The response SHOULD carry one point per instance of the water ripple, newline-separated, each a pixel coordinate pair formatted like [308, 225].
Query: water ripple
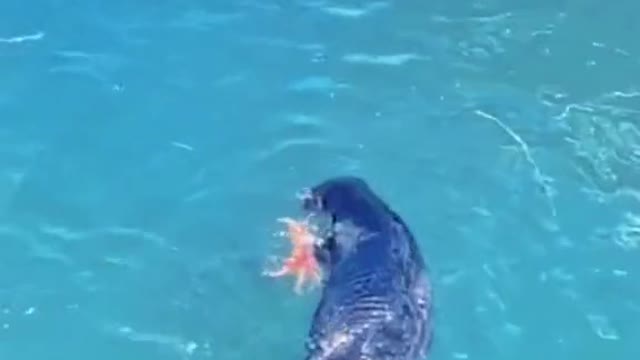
[392, 60]
[174, 342]
[317, 83]
[22, 38]
[628, 232]
[204, 20]
[349, 12]
[116, 231]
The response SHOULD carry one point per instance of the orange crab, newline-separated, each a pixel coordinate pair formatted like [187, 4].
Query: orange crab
[301, 262]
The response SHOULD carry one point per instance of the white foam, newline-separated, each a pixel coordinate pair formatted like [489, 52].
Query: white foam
[183, 146]
[389, 60]
[354, 12]
[22, 38]
[602, 328]
[316, 83]
[628, 233]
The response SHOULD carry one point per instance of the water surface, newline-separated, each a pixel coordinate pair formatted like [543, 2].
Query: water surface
[147, 148]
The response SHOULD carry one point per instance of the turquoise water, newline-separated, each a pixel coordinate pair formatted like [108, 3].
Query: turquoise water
[147, 148]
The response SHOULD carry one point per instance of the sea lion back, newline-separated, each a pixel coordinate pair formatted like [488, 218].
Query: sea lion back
[376, 301]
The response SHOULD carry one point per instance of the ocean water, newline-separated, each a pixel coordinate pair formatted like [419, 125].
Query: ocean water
[148, 147]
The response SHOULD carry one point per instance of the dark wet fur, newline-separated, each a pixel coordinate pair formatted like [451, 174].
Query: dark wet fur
[376, 290]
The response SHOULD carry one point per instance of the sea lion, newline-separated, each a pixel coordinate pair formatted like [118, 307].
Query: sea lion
[376, 298]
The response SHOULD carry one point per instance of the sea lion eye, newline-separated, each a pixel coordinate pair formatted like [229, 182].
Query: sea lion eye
[312, 202]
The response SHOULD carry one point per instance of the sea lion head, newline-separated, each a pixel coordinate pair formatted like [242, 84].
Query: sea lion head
[344, 208]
